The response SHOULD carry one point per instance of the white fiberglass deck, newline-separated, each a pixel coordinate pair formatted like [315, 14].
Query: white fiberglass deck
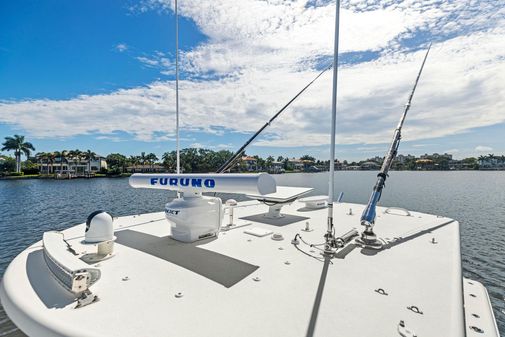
[243, 285]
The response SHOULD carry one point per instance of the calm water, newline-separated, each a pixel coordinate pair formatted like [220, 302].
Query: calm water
[477, 199]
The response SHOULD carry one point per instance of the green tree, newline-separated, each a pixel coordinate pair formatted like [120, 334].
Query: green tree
[76, 156]
[307, 157]
[143, 158]
[196, 160]
[89, 156]
[151, 159]
[51, 156]
[63, 158]
[286, 165]
[19, 146]
[29, 167]
[169, 160]
[41, 158]
[117, 162]
[471, 162]
[269, 162]
[8, 164]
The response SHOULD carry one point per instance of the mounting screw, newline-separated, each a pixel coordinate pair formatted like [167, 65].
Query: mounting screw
[126, 278]
[179, 295]
[257, 279]
[287, 263]
[280, 248]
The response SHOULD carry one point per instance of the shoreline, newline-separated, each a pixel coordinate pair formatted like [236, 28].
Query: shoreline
[126, 175]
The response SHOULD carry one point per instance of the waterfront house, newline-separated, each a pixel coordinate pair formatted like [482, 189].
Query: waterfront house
[72, 166]
[249, 163]
[276, 167]
[436, 156]
[404, 158]
[492, 162]
[369, 165]
[302, 165]
[424, 164]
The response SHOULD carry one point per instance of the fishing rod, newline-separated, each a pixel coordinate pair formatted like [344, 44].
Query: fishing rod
[368, 237]
[237, 155]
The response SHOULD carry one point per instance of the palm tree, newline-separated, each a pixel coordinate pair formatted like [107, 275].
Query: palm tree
[51, 156]
[143, 158]
[76, 157]
[41, 157]
[19, 146]
[134, 161]
[89, 156]
[152, 158]
[63, 156]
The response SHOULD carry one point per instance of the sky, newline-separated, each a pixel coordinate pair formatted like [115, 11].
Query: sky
[100, 75]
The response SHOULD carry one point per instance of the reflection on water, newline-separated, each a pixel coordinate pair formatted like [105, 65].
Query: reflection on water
[475, 199]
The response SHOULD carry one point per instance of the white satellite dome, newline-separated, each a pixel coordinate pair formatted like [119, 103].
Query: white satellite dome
[99, 227]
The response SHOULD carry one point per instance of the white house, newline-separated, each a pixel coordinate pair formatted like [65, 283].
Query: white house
[73, 166]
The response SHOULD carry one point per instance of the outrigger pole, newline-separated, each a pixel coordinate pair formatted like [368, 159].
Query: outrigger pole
[236, 156]
[368, 237]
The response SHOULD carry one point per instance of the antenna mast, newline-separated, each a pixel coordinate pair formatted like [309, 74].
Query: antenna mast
[368, 237]
[177, 87]
[330, 237]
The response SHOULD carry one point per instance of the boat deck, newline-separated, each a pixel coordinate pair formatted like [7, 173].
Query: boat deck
[244, 285]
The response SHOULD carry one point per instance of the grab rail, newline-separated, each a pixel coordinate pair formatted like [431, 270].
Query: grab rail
[389, 209]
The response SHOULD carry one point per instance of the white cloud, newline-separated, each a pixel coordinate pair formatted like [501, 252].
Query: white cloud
[121, 47]
[452, 151]
[260, 53]
[158, 60]
[114, 139]
[197, 145]
[482, 148]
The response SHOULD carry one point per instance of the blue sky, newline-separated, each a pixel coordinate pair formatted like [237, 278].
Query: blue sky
[100, 75]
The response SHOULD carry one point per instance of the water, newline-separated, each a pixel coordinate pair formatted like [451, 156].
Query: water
[476, 199]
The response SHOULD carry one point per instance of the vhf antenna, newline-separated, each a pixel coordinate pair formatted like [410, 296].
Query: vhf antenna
[330, 235]
[368, 237]
[177, 88]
